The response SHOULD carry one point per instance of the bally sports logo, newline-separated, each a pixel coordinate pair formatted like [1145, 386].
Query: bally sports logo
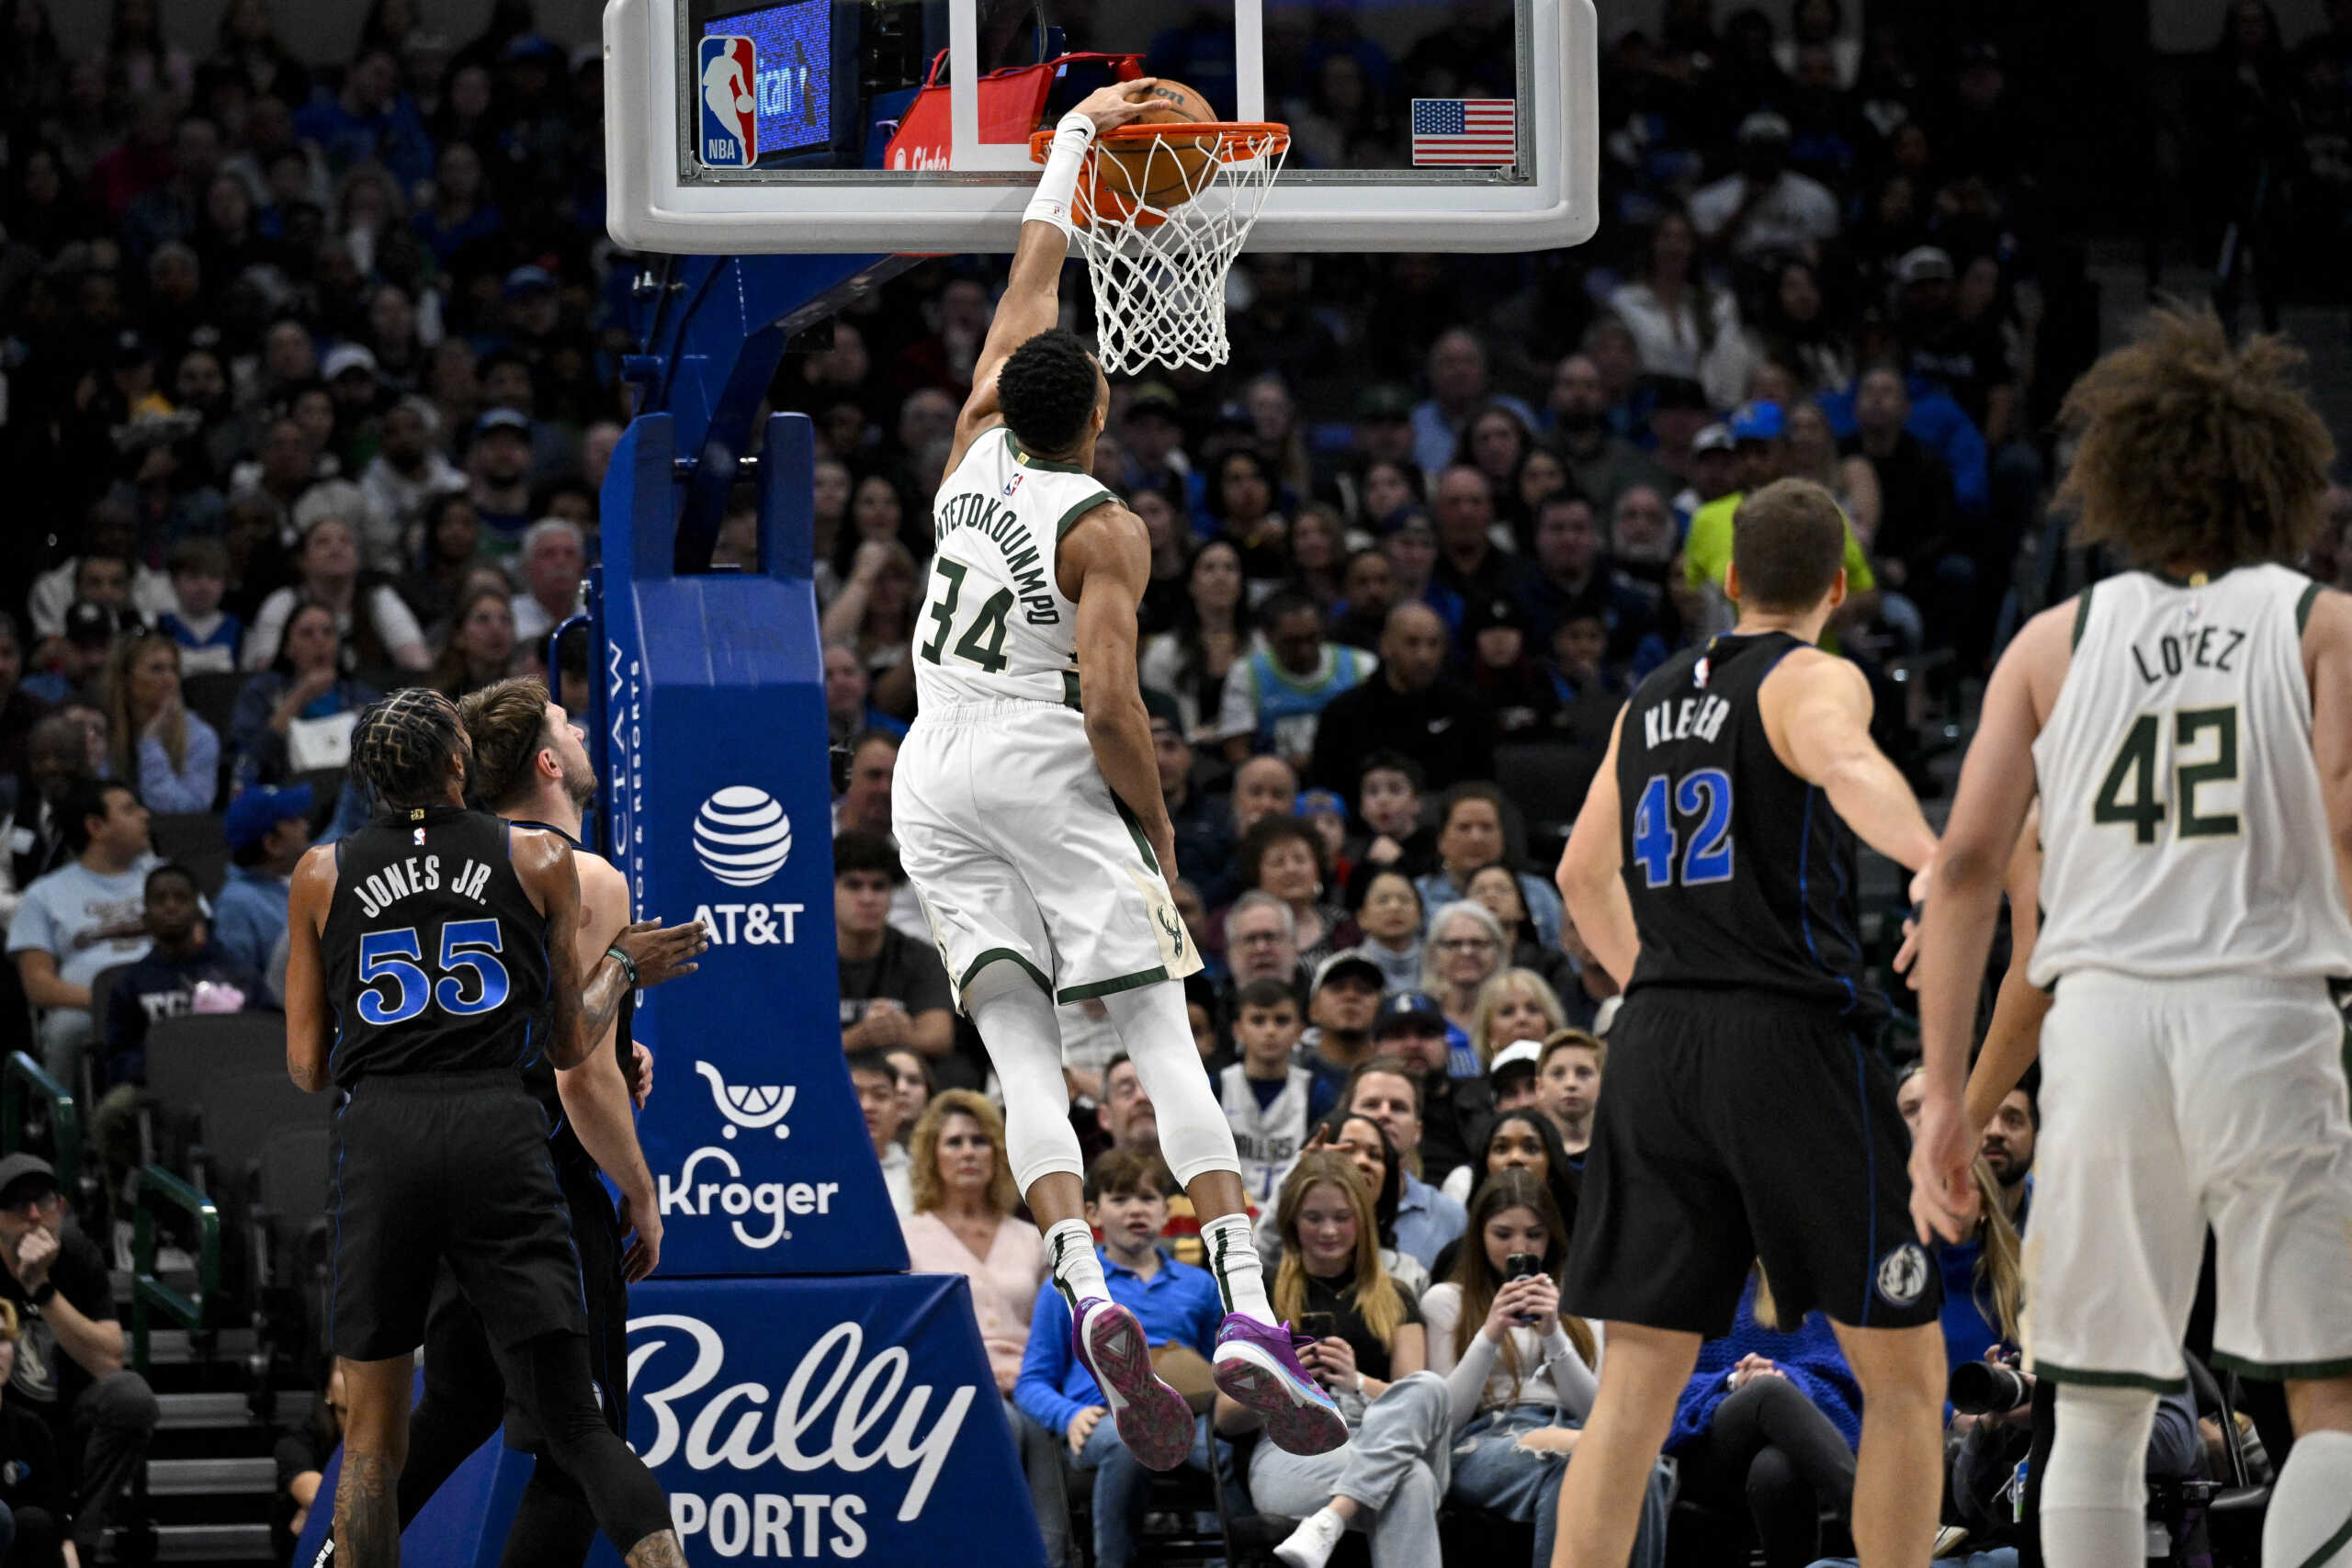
[741, 836]
[840, 1415]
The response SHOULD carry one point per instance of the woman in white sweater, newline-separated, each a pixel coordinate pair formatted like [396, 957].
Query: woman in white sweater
[1683, 326]
[1520, 1378]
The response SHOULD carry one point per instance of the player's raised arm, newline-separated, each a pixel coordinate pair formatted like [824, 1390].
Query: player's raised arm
[309, 1028]
[1963, 899]
[1816, 707]
[1590, 875]
[1032, 301]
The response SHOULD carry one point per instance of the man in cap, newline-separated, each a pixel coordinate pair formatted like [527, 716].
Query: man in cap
[1761, 456]
[1454, 1111]
[1340, 1012]
[268, 830]
[498, 471]
[1715, 470]
[1968, 359]
[1766, 209]
[1152, 433]
[80, 655]
[69, 1367]
[349, 371]
[1384, 424]
[1511, 1076]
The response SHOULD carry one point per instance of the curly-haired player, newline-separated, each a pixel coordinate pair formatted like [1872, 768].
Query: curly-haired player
[2187, 727]
[1030, 820]
[431, 958]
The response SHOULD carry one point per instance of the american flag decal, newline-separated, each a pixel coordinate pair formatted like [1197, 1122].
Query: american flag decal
[1474, 133]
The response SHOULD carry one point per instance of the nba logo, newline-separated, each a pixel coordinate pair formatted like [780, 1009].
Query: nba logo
[730, 129]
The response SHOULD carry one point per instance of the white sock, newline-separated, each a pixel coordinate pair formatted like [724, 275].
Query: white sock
[2094, 1498]
[1232, 1255]
[1311, 1544]
[2310, 1525]
[1077, 1272]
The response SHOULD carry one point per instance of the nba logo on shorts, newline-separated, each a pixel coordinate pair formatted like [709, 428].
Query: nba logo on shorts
[728, 68]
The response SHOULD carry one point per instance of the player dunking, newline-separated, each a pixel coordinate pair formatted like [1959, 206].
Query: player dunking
[430, 955]
[2188, 728]
[532, 770]
[1030, 820]
[1712, 872]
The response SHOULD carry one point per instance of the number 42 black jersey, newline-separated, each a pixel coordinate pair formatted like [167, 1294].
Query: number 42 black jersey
[1740, 875]
[436, 958]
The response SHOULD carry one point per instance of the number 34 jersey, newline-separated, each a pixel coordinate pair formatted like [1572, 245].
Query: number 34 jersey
[994, 623]
[436, 958]
[1740, 875]
[2182, 826]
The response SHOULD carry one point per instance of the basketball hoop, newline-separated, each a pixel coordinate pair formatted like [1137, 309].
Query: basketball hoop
[1162, 211]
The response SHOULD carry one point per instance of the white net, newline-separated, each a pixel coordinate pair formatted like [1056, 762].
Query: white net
[1159, 267]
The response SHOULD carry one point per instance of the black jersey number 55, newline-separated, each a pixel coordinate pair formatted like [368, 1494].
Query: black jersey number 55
[390, 968]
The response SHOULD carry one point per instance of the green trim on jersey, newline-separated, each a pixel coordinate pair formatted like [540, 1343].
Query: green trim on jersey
[2328, 1548]
[1070, 519]
[2055, 1373]
[2082, 616]
[2281, 1371]
[1140, 978]
[992, 956]
[1135, 831]
[2304, 607]
[1026, 461]
[1069, 692]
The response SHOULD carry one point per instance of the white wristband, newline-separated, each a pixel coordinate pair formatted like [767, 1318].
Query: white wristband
[1058, 186]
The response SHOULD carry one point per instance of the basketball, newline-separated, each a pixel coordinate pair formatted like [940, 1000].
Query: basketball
[1165, 171]
[742, 103]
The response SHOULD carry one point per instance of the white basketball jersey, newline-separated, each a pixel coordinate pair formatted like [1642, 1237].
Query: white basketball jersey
[994, 623]
[2182, 828]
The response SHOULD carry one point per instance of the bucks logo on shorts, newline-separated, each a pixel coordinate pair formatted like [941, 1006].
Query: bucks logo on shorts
[1902, 1274]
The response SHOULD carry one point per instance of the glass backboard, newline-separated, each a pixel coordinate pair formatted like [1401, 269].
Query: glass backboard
[903, 125]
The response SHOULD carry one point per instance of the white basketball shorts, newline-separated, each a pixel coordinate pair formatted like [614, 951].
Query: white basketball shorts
[1021, 854]
[2167, 1106]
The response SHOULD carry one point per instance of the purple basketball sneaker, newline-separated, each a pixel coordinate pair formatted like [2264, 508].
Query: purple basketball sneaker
[1154, 1422]
[1257, 1365]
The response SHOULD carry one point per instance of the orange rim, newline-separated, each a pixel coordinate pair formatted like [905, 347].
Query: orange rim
[1236, 139]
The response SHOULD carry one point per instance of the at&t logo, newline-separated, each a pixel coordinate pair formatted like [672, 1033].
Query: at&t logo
[741, 836]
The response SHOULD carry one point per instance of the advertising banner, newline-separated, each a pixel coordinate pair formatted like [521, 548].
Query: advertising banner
[718, 796]
[808, 1420]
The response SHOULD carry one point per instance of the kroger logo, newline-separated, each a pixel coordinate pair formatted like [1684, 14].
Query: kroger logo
[761, 1105]
[710, 1185]
[741, 836]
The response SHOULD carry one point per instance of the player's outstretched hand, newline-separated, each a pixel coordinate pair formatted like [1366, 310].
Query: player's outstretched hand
[1116, 105]
[662, 953]
[1943, 1193]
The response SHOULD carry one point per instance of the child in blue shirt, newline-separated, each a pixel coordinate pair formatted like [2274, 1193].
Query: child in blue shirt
[208, 636]
[1177, 1305]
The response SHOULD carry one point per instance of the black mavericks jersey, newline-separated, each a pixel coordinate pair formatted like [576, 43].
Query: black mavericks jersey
[538, 1074]
[436, 960]
[1741, 877]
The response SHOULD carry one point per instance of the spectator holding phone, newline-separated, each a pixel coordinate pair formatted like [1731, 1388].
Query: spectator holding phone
[1517, 1376]
[1369, 1351]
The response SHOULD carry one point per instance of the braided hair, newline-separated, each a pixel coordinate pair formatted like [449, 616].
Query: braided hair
[401, 749]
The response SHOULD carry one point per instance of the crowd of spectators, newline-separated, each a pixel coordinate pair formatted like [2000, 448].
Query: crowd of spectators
[310, 373]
